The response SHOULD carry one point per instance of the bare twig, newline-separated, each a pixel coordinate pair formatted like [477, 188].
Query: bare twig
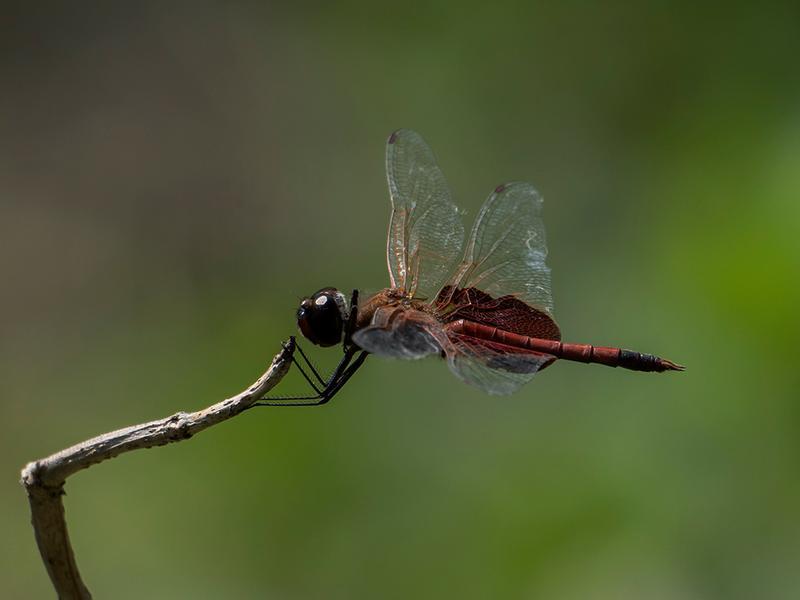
[44, 479]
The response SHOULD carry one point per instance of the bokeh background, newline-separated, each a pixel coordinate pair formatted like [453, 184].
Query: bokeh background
[175, 176]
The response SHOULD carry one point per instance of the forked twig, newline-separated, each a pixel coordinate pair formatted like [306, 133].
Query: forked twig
[44, 479]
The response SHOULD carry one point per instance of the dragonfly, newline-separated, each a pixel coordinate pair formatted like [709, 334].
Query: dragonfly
[482, 303]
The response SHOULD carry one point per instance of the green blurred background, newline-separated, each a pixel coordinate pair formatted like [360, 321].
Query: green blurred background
[175, 176]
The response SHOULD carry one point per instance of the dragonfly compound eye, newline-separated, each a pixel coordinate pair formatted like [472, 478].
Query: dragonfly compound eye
[321, 319]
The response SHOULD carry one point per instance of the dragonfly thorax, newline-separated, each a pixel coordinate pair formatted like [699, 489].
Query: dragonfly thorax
[321, 317]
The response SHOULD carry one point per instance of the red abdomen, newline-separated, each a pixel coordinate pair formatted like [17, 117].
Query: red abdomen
[586, 353]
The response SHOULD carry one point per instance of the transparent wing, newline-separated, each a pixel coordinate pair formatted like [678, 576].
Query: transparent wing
[490, 367]
[506, 251]
[399, 333]
[426, 235]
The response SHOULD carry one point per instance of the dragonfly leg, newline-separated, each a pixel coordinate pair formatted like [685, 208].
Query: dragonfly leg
[347, 366]
[310, 365]
[347, 374]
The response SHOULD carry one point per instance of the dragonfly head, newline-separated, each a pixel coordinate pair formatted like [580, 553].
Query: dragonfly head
[321, 317]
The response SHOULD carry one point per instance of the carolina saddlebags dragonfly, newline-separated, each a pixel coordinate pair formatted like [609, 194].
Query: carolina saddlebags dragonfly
[484, 306]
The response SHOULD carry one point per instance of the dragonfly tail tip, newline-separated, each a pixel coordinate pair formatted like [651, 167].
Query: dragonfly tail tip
[668, 365]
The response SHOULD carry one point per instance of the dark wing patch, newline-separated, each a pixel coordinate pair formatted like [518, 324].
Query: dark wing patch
[507, 312]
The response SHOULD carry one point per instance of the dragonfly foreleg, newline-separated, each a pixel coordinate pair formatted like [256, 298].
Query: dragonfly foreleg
[338, 378]
[310, 365]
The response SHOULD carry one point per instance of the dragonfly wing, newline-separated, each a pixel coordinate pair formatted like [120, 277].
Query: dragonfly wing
[506, 312]
[426, 235]
[398, 333]
[492, 367]
[506, 251]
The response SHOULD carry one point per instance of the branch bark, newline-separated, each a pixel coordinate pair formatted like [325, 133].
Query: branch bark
[44, 479]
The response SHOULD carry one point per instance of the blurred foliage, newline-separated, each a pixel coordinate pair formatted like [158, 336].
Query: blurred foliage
[175, 176]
